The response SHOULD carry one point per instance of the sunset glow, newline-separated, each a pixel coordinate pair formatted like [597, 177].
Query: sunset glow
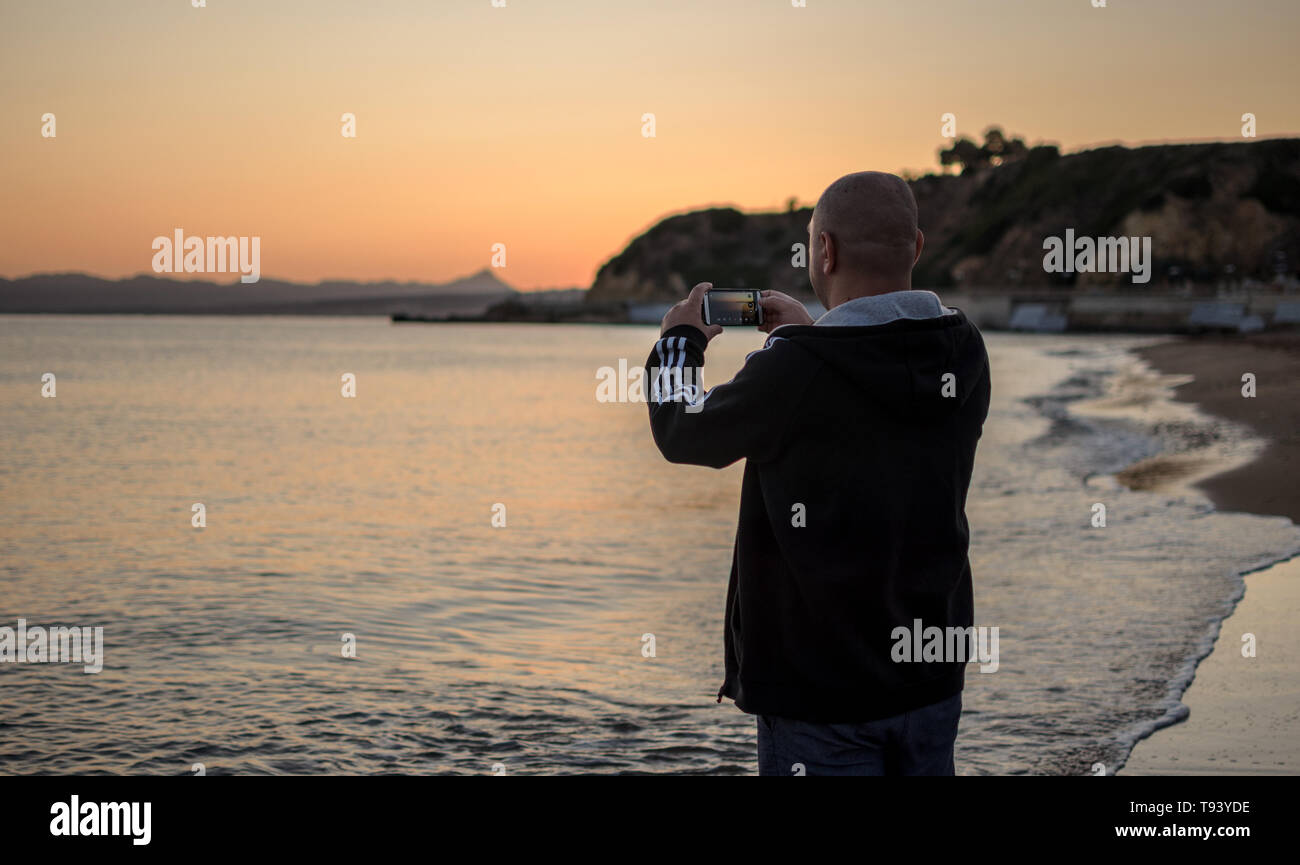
[523, 125]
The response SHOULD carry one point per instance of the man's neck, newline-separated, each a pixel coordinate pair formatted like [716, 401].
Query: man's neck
[867, 288]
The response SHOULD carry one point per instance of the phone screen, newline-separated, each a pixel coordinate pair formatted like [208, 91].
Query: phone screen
[732, 306]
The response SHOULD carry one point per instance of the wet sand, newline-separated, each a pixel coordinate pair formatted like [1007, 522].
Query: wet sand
[1244, 711]
[1271, 483]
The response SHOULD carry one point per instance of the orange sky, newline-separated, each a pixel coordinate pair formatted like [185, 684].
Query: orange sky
[522, 125]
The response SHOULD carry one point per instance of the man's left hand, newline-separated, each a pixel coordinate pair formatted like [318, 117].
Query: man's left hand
[691, 311]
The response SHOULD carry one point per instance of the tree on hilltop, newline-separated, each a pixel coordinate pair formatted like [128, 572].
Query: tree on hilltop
[996, 150]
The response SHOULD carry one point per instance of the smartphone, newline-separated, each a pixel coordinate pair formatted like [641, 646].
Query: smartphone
[731, 306]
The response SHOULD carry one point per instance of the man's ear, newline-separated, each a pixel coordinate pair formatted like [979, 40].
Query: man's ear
[920, 244]
[831, 253]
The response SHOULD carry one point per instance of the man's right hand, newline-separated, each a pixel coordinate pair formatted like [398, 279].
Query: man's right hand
[779, 309]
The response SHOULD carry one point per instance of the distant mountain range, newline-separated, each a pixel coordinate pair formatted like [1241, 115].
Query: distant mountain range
[80, 293]
[1218, 213]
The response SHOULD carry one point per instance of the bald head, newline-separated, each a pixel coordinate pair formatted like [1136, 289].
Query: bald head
[864, 228]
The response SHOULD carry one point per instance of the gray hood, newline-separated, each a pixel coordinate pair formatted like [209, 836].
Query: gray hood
[883, 308]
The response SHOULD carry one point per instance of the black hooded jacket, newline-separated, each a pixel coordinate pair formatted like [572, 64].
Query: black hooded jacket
[859, 442]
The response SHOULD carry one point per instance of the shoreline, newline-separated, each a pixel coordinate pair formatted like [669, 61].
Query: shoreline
[1243, 713]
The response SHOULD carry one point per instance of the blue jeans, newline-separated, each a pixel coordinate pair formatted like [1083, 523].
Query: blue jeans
[919, 742]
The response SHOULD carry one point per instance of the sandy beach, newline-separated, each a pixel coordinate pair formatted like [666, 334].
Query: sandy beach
[1244, 711]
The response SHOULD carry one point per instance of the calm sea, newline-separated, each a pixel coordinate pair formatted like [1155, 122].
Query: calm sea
[518, 647]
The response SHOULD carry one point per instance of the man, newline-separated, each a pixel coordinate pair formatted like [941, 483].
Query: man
[859, 434]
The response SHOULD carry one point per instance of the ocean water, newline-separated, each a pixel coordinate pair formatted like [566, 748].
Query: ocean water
[519, 649]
